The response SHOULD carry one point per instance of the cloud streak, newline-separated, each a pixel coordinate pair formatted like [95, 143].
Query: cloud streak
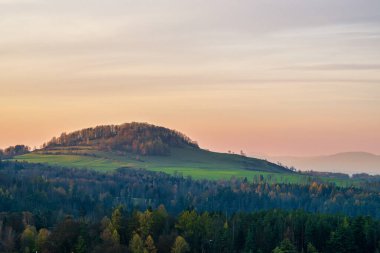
[339, 67]
[18, 2]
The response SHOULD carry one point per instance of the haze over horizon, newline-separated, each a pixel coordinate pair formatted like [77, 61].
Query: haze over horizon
[259, 76]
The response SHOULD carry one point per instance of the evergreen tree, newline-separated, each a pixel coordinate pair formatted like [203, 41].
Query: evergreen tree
[249, 242]
[80, 246]
[342, 240]
[286, 246]
[311, 248]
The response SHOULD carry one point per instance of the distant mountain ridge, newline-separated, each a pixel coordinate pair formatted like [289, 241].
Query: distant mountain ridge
[346, 162]
[138, 138]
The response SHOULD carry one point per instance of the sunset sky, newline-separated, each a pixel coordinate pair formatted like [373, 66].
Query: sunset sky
[270, 77]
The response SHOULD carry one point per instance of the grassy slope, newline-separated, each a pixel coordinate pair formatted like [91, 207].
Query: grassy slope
[199, 164]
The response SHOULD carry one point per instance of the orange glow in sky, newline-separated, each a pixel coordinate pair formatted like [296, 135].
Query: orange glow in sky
[233, 75]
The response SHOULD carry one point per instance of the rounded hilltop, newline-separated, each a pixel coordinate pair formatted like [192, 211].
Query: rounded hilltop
[137, 138]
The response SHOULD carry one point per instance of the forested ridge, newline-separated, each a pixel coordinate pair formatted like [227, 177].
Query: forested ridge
[138, 138]
[53, 209]
[86, 193]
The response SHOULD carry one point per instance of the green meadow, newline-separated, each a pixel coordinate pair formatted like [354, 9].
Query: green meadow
[195, 163]
[191, 169]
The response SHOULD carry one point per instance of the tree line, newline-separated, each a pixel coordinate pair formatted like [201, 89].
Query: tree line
[137, 138]
[14, 151]
[157, 231]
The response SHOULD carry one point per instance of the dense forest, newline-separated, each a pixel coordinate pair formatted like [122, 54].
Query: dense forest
[52, 209]
[89, 194]
[137, 138]
[156, 231]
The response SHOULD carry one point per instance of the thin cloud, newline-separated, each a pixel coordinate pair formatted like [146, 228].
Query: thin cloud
[337, 67]
[19, 1]
[303, 80]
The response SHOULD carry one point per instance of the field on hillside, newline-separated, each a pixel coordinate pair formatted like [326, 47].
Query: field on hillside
[199, 164]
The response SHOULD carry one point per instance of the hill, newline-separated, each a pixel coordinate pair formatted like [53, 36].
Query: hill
[348, 162]
[137, 138]
[141, 145]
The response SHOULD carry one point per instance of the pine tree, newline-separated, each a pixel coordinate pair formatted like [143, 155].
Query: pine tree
[80, 246]
[249, 242]
[286, 246]
[311, 248]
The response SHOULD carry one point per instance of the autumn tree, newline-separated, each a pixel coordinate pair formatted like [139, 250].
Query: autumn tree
[180, 245]
[28, 239]
[109, 233]
[149, 245]
[42, 238]
[187, 223]
[136, 245]
[160, 217]
[145, 223]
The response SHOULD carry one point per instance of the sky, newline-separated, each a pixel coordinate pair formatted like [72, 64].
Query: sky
[269, 77]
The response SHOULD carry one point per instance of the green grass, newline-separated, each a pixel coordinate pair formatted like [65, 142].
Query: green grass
[186, 157]
[199, 164]
[73, 161]
[190, 169]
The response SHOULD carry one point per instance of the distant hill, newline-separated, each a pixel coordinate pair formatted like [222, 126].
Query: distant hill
[142, 145]
[348, 162]
[137, 138]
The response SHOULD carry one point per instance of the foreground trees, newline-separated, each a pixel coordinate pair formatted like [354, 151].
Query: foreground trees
[48, 209]
[272, 231]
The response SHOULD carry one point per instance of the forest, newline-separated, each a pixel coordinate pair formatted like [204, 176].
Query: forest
[137, 138]
[52, 209]
[124, 230]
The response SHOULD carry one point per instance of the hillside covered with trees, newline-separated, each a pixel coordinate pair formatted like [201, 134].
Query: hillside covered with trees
[137, 138]
[141, 145]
